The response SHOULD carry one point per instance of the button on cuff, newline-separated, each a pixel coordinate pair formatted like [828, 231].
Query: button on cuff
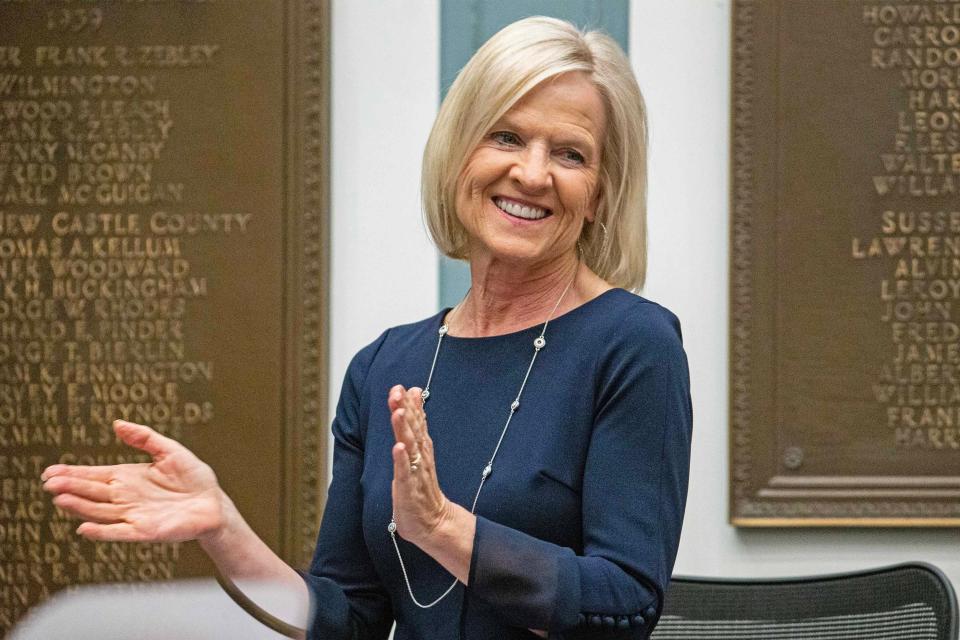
[636, 620]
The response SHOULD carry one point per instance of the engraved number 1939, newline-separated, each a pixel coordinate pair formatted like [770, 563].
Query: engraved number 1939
[74, 20]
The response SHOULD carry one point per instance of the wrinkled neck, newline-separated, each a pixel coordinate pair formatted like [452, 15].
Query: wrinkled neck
[504, 298]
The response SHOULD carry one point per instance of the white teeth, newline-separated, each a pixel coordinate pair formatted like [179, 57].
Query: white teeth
[528, 213]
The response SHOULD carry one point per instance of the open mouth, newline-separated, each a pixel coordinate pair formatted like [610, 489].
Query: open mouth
[523, 211]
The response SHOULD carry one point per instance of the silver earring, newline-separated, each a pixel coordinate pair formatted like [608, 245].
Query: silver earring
[603, 227]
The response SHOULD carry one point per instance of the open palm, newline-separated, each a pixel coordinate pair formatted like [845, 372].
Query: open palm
[172, 499]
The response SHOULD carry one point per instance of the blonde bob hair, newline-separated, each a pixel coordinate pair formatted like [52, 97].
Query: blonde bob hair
[511, 63]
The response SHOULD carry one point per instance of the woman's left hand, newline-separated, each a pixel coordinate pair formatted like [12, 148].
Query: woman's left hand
[419, 506]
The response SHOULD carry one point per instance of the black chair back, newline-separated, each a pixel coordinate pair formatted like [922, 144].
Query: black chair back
[912, 601]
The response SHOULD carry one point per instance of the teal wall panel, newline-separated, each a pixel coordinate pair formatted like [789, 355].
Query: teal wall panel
[466, 24]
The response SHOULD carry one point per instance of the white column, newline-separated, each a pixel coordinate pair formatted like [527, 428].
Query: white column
[385, 88]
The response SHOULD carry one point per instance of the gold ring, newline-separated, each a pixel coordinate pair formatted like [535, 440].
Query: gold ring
[415, 461]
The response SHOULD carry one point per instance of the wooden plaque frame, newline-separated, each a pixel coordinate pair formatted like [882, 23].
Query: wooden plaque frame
[307, 290]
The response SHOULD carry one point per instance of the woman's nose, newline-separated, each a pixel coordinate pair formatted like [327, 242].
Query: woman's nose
[532, 170]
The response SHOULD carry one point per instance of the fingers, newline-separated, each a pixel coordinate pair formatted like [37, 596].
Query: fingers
[101, 474]
[417, 419]
[90, 489]
[410, 425]
[417, 394]
[397, 393]
[101, 512]
[403, 433]
[144, 438]
[401, 463]
[395, 397]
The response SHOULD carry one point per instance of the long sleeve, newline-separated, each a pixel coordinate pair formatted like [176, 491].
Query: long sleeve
[348, 599]
[633, 495]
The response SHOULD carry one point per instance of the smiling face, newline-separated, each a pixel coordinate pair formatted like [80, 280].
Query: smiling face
[530, 184]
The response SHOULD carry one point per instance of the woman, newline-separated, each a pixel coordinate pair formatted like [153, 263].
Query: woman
[542, 491]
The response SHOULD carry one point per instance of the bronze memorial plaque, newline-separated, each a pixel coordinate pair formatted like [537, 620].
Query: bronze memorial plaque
[845, 263]
[162, 259]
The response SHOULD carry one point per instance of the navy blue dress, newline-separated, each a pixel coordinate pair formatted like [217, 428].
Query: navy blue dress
[578, 525]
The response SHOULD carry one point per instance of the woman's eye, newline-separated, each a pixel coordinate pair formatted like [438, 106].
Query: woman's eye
[505, 137]
[572, 155]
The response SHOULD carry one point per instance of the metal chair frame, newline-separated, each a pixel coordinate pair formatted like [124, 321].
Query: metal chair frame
[731, 599]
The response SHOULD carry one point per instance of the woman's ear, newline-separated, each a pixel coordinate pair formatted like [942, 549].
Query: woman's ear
[594, 211]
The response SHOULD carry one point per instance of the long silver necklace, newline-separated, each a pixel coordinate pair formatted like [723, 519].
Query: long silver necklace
[539, 343]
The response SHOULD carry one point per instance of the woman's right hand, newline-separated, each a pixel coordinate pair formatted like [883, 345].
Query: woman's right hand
[172, 499]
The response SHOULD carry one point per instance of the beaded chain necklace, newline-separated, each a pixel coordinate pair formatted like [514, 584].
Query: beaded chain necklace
[539, 343]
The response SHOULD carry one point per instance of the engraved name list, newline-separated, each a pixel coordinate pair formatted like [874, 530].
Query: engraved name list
[917, 46]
